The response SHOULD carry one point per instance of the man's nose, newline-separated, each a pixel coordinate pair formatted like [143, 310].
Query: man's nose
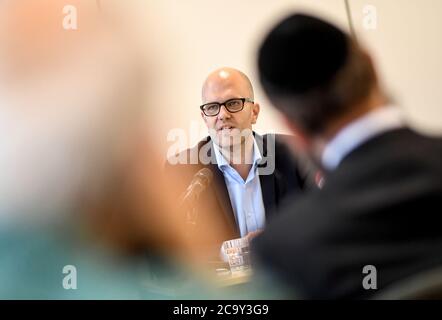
[223, 113]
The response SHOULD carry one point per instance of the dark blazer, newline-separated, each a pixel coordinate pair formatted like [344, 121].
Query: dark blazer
[289, 176]
[382, 206]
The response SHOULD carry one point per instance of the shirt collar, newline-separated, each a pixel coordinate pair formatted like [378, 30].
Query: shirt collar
[359, 131]
[223, 163]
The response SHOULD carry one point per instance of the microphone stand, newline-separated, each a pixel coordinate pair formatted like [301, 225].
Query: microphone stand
[191, 212]
[191, 215]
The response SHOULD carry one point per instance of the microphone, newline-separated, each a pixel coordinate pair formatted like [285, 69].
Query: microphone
[201, 180]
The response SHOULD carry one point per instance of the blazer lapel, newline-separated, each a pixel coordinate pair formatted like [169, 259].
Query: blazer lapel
[267, 180]
[220, 188]
[268, 183]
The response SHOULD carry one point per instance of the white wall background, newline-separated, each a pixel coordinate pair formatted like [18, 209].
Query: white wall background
[407, 46]
[194, 37]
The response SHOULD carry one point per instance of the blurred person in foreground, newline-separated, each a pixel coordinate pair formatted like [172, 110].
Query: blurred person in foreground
[252, 173]
[380, 205]
[81, 199]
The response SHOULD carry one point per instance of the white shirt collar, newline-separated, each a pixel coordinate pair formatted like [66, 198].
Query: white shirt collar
[359, 131]
[222, 162]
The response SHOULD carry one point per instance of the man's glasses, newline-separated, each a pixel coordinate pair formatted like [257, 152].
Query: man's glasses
[232, 105]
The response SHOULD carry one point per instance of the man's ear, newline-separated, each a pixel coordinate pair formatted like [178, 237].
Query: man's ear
[371, 62]
[255, 112]
[204, 117]
[299, 141]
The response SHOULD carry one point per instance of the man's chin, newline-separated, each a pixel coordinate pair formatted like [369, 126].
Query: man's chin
[227, 144]
[228, 138]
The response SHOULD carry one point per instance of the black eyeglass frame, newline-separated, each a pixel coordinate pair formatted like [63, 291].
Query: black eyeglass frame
[243, 100]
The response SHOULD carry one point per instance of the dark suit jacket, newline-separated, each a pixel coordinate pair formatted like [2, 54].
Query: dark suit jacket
[289, 176]
[382, 206]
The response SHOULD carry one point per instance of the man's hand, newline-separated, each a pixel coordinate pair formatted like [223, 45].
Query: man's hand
[251, 235]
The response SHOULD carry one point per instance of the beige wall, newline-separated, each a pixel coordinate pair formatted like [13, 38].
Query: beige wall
[407, 45]
[193, 37]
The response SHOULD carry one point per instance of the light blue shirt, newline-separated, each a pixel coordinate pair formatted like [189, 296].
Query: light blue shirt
[245, 196]
[360, 131]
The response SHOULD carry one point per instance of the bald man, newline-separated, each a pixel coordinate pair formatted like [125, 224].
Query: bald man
[251, 173]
